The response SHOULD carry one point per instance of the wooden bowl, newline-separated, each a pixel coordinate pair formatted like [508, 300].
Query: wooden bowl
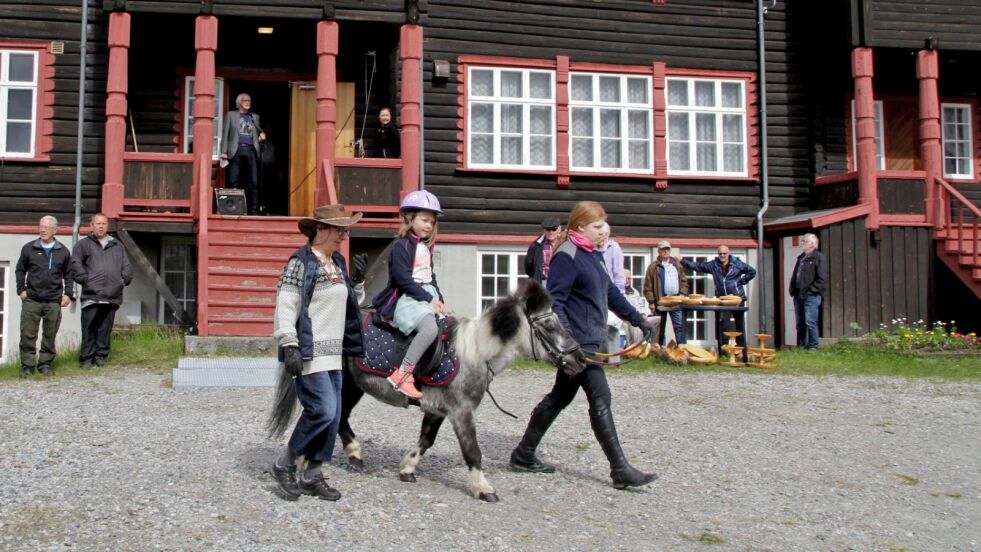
[696, 296]
[712, 301]
[732, 302]
[690, 301]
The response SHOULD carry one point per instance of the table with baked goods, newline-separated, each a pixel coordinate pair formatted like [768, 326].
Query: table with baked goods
[685, 308]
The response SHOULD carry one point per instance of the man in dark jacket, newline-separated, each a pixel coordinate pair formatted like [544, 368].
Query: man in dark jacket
[44, 284]
[540, 251]
[808, 283]
[730, 275]
[100, 264]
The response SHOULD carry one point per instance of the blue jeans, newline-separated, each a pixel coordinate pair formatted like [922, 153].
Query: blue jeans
[807, 308]
[316, 430]
[677, 322]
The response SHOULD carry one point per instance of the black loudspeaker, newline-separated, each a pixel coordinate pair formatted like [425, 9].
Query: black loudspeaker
[230, 201]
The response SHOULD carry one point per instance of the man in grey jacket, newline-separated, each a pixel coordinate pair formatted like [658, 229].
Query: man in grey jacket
[240, 139]
[100, 264]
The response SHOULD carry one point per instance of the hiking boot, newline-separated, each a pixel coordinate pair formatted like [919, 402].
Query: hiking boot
[101, 361]
[85, 364]
[286, 478]
[46, 370]
[26, 371]
[405, 383]
[319, 488]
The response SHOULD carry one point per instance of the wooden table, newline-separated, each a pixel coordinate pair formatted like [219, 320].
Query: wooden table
[713, 308]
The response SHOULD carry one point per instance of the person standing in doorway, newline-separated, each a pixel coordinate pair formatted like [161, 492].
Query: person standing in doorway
[387, 141]
[240, 139]
[808, 283]
[45, 286]
[100, 264]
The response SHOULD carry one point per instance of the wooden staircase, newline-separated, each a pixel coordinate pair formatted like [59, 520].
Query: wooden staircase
[959, 236]
[244, 258]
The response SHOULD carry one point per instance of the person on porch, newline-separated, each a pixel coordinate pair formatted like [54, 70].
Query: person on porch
[240, 140]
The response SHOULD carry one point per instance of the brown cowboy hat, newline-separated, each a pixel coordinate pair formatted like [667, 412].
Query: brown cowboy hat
[334, 215]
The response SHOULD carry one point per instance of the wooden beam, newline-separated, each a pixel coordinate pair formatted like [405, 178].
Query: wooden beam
[141, 261]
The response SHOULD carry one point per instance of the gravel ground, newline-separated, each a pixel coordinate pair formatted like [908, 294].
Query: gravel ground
[746, 462]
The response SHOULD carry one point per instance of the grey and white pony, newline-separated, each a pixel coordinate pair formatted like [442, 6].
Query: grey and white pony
[521, 324]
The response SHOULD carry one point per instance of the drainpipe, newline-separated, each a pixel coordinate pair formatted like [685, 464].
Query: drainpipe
[761, 9]
[81, 123]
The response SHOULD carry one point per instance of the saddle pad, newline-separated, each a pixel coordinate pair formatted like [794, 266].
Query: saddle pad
[379, 347]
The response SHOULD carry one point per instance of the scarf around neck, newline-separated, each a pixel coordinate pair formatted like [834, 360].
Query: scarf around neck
[581, 241]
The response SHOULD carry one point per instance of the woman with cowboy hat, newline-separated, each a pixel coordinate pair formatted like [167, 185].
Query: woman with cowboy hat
[316, 324]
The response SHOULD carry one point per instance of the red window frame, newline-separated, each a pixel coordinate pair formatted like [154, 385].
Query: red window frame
[44, 115]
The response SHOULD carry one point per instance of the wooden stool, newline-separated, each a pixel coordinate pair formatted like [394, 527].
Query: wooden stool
[762, 357]
[733, 350]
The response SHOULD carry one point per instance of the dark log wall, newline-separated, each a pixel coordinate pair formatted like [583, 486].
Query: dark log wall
[874, 282]
[390, 11]
[699, 34]
[29, 190]
[956, 24]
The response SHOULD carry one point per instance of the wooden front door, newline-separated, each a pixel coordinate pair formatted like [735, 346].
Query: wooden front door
[303, 141]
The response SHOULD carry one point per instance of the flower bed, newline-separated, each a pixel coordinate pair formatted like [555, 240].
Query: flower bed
[917, 336]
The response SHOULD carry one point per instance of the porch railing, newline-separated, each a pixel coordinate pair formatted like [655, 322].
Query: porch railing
[959, 221]
[157, 185]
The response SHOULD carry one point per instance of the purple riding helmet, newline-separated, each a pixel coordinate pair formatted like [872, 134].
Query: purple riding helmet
[420, 200]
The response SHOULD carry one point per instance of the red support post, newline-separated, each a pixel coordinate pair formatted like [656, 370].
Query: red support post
[117, 86]
[205, 44]
[410, 55]
[562, 121]
[930, 145]
[327, 48]
[660, 126]
[865, 134]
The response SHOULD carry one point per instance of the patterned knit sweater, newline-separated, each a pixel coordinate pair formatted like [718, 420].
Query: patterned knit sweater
[327, 312]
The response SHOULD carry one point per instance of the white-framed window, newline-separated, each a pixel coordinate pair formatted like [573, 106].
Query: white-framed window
[501, 272]
[18, 102]
[636, 264]
[697, 325]
[189, 115]
[4, 309]
[880, 146]
[957, 140]
[178, 268]
[706, 132]
[611, 123]
[511, 118]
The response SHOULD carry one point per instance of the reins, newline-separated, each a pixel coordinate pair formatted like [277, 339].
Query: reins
[491, 395]
[645, 339]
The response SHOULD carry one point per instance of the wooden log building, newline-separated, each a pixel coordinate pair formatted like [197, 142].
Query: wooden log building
[510, 112]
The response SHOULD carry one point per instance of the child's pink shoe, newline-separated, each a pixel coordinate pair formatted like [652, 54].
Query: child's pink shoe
[405, 383]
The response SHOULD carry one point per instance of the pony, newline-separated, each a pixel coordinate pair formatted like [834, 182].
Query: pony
[520, 324]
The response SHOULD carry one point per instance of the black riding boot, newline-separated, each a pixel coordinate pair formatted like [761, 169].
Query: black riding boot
[623, 474]
[523, 456]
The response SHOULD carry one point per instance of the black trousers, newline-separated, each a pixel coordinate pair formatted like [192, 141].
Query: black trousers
[243, 172]
[97, 323]
[592, 380]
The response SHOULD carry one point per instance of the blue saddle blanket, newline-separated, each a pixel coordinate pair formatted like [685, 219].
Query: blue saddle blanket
[379, 348]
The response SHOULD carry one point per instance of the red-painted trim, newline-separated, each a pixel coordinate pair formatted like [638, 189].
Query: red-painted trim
[158, 157]
[658, 85]
[893, 174]
[527, 63]
[327, 48]
[410, 116]
[709, 73]
[928, 112]
[117, 87]
[562, 161]
[44, 110]
[817, 221]
[483, 239]
[835, 178]
[865, 133]
[369, 162]
[904, 220]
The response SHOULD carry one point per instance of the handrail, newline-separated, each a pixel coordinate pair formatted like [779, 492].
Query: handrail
[962, 201]
[959, 196]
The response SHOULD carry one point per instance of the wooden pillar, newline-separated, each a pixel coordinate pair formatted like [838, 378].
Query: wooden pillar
[562, 161]
[205, 44]
[327, 48]
[410, 48]
[865, 134]
[117, 85]
[930, 139]
[660, 126]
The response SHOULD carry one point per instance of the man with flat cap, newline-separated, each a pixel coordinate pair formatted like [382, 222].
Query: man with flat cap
[540, 250]
[666, 276]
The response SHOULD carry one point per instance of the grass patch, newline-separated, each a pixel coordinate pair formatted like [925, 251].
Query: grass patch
[844, 358]
[705, 538]
[148, 347]
[905, 479]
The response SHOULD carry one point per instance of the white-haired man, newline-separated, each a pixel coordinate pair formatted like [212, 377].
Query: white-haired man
[240, 140]
[808, 283]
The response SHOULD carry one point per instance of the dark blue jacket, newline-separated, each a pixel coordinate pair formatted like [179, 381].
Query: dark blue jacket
[730, 283]
[45, 275]
[583, 293]
[353, 342]
[400, 262]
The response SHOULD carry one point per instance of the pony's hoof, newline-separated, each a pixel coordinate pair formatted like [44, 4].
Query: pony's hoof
[355, 462]
[407, 477]
[489, 497]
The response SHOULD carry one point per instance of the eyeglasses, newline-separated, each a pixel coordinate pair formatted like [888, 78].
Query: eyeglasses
[552, 229]
[338, 229]
[721, 254]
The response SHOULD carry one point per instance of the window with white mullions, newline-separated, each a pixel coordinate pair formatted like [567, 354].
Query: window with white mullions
[697, 326]
[511, 115]
[219, 122]
[880, 146]
[957, 142]
[500, 275]
[637, 265]
[18, 102]
[706, 131]
[610, 123]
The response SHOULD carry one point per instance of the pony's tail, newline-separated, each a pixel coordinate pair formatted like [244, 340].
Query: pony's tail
[283, 407]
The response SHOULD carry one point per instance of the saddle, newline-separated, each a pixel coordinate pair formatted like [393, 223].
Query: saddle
[385, 348]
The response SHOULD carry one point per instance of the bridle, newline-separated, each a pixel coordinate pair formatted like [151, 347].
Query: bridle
[538, 335]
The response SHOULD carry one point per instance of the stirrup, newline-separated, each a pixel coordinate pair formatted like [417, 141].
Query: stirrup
[405, 384]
